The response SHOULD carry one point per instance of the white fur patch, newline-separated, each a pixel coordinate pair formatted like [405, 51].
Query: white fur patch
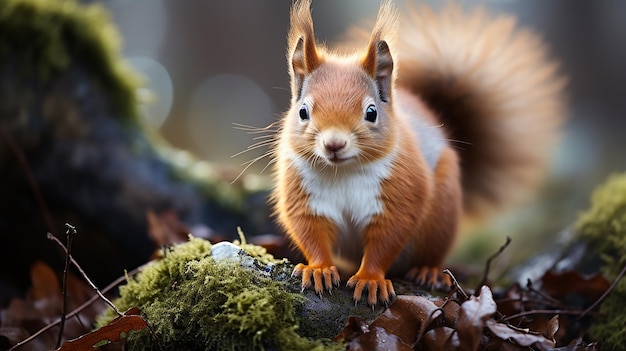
[431, 140]
[349, 197]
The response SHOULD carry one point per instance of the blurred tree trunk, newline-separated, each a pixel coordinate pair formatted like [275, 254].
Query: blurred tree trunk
[72, 149]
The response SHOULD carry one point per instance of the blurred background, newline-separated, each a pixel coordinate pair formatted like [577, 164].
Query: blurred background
[209, 64]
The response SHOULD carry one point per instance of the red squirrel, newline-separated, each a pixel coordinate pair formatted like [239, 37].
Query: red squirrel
[368, 175]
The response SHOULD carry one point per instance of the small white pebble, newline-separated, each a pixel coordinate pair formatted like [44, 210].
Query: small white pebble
[225, 250]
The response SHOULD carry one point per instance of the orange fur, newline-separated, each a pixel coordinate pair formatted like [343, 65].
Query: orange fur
[365, 173]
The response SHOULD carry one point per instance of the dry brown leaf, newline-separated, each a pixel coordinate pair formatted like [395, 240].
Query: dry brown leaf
[579, 345]
[378, 339]
[553, 328]
[21, 319]
[497, 344]
[45, 284]
[450, 312]
[165, 229]
[353, 328]
[511, 301]
[407, 318]
[472, 318]
[112, 332]
[440, 339]
[572, 282]
[43, 305]
[519, 337]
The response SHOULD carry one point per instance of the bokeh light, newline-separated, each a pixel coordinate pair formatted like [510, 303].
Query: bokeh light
[216, 104]
[158, 94]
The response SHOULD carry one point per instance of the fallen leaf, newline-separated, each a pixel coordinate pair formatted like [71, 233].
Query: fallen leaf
[43, 304]
[578, 344]
[472, 318]
[497, 344]
[553, 328]
[407, 318]
[353, 328]
[165, 229]
[512, 300]
[378, 339]
[450, 312]
[45, 284]
[440, 339]
[520, 337]
[561, 284]
[112, 332]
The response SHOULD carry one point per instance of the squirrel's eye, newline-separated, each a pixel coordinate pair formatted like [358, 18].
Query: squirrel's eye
[371, 114]
[304, 113]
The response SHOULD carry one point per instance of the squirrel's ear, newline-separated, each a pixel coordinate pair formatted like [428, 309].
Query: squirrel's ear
[378, 63]
[303, 54]
[304, 60]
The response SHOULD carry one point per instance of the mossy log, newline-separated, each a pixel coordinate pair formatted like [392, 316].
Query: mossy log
[232, 297]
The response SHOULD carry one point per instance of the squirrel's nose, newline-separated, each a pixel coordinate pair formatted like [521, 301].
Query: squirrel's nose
[334, 145]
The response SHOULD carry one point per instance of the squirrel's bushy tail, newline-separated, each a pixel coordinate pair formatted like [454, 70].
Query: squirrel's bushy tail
[495, 91]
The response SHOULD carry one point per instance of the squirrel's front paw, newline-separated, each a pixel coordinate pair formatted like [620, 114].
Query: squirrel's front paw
[375, 288]
[323, 277]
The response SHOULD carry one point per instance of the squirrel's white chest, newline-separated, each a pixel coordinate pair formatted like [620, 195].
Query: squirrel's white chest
[350, 198]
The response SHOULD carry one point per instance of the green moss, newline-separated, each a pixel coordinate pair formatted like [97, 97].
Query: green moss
[49, 35]
[192, 302]
[604, 225]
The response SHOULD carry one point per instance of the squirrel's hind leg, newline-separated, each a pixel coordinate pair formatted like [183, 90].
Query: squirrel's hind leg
[439, 229]
[431, 277]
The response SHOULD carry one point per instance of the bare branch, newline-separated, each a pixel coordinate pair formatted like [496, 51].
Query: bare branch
[91, 284]
[456, 284]
[69, 234]
[80, 308]
[488, 264]
[604, 295]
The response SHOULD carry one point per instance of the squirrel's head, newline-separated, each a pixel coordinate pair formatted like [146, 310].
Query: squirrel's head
[341, 105]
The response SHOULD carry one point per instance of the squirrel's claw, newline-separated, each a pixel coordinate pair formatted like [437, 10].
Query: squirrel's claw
[323, 277]
[376, 288]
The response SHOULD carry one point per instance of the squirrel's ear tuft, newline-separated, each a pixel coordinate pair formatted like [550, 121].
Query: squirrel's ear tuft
[302, 54]
[378, 61]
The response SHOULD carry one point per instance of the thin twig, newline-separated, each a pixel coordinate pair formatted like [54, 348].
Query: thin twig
[80, 308]
[91, 284]
[456, 283]
[527, 300]
[430, 320]
[605, 294]
[488, 264]
[564, 309]
[28, 173]
[535, 312]
[69, 234]
[522, 330]
[531, 288]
